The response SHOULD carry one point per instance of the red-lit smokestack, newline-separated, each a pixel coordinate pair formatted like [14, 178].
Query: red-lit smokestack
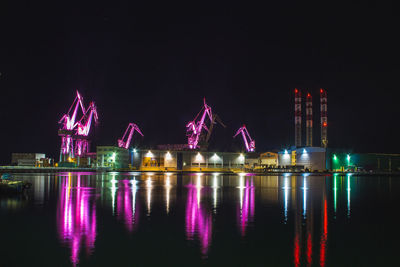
[309, 120]
[324, 118]
[297, 117]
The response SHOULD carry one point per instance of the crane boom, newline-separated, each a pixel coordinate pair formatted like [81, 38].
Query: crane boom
[131, 129]
[250, 143]
[194, 128]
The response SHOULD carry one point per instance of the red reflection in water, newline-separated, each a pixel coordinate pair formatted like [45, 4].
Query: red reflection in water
[246, 205]
[324, 235]
[76, 217]
[296, 251]
[309, 249]
[197, 219]
[126, 205]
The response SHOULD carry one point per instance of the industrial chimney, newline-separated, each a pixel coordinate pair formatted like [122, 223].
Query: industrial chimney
[309, 120]
[297, 117]
[324, 118]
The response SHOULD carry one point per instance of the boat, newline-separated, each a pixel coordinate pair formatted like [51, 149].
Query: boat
[9, 185]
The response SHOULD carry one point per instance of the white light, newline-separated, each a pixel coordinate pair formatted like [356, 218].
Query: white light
[286, 152]
[113, 156]
[304, 151]
[199, 157]
[168, 156]
[215, 157]
[241, 157]
[149, 154]
[134, 150]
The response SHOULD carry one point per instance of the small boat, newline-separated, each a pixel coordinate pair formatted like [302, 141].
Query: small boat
[11, 186]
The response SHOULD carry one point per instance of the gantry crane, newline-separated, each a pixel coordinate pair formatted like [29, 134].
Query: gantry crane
[68, 126]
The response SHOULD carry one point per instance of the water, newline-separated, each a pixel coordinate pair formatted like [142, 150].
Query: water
[138, 219]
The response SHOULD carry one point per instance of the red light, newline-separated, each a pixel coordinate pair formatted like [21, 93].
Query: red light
[322, 90]
[296, 91]
[324, 124]
[308, 95]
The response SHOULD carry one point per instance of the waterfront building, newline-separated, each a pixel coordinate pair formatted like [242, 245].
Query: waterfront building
[113, 157]
[30, 159]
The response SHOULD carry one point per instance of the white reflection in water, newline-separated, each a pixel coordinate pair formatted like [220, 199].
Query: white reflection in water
[113, 192]
[215, 191]
[149, 187]
[286, 189]
[305, 196]
[167, 190]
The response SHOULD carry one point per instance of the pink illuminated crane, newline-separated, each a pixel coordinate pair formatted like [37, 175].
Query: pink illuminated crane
[250, 144]
[194, 128]
[68, 125]
[83, 129]
[131, 129]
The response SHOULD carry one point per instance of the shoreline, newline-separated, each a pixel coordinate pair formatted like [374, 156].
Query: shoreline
[19, 169]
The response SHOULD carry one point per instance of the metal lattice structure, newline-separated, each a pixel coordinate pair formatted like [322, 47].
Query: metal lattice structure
[83, 130]
[74, 132]
[126, 138]
[248, 141]
[194, 128]
[68, 125]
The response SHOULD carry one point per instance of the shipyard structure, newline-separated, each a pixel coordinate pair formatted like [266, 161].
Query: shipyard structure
[194, 155]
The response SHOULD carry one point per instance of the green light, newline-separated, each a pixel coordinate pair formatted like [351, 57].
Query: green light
[348, 157]
[334, 157]
[334, 192]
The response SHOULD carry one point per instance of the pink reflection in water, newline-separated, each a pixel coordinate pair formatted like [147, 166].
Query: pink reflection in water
[126, 204]
[198, 221]
[76, 217]
[246, 209]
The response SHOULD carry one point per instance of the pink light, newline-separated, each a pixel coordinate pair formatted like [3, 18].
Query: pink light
[131, 129]
[194, 128]
[197, 220]
[76, 217]
[250, 144]
[247, 205]
[74, 134]
[126, 205]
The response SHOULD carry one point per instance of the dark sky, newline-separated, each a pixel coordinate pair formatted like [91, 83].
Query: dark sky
[153, 63]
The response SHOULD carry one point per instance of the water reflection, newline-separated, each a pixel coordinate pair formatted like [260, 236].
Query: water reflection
[76, 216]
[126, 203]
[200, 203]
[246, 209]
[348, 194]
[198, 221]
[149, 187]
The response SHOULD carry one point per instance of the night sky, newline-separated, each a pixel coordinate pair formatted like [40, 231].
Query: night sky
[153, 63]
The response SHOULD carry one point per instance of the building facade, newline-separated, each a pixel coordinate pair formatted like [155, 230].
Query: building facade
[112, 157]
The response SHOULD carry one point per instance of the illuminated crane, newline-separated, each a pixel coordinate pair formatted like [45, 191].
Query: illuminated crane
[194, 128]
[83, 129]
[131, 129]
[250, 144]
[68, 125]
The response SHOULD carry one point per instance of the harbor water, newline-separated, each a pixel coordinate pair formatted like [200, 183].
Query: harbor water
[152, 219]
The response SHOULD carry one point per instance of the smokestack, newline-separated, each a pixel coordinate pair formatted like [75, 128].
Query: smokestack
[324, 118]
[309, 120]
[297, 117]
